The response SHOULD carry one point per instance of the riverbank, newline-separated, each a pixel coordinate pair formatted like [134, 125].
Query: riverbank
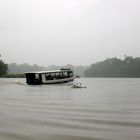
[13, 76]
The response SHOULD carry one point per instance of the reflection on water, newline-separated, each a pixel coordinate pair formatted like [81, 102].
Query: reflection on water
[108, 109]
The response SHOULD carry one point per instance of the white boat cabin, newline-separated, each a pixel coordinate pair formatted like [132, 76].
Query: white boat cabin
[49, 77]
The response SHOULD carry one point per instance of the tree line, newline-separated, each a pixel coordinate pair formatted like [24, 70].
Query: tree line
[111, 67]
[3, 68]
[114, 67]
[14, 68]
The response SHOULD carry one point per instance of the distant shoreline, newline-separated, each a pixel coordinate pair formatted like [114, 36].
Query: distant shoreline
[13, 76]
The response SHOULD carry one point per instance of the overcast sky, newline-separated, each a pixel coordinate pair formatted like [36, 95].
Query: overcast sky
[78, 32]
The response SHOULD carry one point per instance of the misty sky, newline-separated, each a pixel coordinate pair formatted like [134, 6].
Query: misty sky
[78, 32]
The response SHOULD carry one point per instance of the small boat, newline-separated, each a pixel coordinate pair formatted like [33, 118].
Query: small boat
[78, 85]
[77, 76]
[50, 77]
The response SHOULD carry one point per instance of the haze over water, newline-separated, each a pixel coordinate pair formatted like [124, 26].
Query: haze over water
[108, 109]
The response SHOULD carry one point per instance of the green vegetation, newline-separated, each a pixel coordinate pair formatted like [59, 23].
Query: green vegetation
[14, 68]
[114, 67]
[111, 67]
[3, 68]
[4, 71]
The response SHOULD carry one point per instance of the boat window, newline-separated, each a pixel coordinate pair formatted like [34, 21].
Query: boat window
[61, 76]
[58, 75]
[36, 76]
[48, 76]
[70, 74]
[53, 76]
[65, 74]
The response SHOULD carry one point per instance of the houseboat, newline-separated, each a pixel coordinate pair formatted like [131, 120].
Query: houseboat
[50, 77]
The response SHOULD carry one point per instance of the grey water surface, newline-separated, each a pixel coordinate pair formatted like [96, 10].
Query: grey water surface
[108, 109]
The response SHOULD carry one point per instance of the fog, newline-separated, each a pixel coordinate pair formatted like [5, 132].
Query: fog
[60, 32]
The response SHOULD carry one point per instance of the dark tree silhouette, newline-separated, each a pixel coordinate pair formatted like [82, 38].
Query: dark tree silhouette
[3, 68]
[114, 67]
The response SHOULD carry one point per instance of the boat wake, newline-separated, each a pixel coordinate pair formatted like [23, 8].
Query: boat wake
[12, 82]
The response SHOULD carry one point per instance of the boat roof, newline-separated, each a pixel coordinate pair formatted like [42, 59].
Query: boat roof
[48, 71]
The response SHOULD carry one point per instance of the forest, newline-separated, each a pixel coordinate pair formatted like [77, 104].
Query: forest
[114, 67]
[14, 68]
[111, 67]
[3, 68]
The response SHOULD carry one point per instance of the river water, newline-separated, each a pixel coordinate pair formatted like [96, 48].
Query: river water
[108, 109]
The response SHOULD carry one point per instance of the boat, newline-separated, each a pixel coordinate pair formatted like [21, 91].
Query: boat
[78, 85]
[50, 77]
[77, 76]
